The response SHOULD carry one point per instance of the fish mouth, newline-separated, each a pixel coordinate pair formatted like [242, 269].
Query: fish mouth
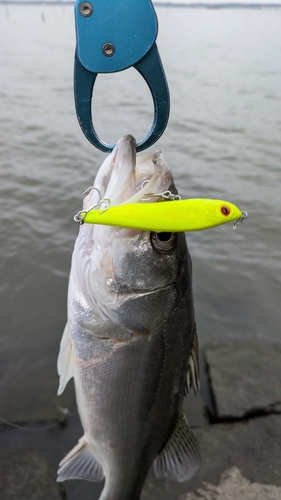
[126, 178]
[122, 178]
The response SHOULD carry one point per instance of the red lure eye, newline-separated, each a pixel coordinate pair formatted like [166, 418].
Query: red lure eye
[225, 211]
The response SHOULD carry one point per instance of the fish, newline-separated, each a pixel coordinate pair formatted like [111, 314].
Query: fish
[130, 341]
[193, 214]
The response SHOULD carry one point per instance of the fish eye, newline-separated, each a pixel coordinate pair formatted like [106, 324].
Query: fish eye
[225, 211]
[163, 242]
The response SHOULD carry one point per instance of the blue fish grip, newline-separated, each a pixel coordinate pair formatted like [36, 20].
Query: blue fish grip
[113, 35]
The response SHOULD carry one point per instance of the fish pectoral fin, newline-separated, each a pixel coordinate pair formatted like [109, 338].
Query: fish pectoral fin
[80, 463]
[193, 371]
[180, 458]
[107, 330]
[65, 361]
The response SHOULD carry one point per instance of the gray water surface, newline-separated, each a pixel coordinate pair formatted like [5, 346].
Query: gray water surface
[222, 141]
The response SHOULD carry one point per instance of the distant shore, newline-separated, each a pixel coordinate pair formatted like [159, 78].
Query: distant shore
[191, 5]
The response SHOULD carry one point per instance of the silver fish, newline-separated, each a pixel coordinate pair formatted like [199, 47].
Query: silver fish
[130, 342]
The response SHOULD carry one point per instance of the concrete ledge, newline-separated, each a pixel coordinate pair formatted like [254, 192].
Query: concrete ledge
[245, 379]
[26, 474]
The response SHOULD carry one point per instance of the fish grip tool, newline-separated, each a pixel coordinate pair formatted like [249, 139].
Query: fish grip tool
[111, 36]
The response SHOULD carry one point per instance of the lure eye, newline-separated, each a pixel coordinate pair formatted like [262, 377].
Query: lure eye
[163, 242]
[225, 211]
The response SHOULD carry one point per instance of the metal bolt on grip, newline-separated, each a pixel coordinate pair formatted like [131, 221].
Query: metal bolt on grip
[86, 9]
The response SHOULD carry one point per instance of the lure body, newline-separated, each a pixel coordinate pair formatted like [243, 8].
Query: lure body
[175, 216]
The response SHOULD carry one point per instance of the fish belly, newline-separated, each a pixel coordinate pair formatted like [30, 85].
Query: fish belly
[128, 395]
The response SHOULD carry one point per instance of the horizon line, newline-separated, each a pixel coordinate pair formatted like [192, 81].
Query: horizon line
[160, 3]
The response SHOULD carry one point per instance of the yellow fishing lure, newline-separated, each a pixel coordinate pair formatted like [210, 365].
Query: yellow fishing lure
[167, 216]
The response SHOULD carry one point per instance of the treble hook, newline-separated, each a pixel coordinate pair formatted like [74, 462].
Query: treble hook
[80, 216]
[239, 221]
[113, 36]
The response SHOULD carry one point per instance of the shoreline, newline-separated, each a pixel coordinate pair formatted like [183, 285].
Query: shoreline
[191, 5]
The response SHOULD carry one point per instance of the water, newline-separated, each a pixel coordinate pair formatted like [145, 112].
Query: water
[223, 140]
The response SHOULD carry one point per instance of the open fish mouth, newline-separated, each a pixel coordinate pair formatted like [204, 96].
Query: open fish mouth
[125, 178]
[114, 260]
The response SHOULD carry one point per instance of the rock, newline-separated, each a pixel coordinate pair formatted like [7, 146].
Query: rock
[253, 446]
[26, 474]
[234, 486]
[245, 380]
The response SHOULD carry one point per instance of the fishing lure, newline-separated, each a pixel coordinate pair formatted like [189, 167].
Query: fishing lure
[192, 214]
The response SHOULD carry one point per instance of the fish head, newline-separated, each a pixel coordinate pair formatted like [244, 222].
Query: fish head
[113, 265]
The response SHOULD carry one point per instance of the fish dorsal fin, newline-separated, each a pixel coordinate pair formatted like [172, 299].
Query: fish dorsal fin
[180, 458]
[65, 361]
[80, 463]
[193, 371]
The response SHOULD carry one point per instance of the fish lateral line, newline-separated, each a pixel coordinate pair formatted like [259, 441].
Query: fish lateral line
[193, 214]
